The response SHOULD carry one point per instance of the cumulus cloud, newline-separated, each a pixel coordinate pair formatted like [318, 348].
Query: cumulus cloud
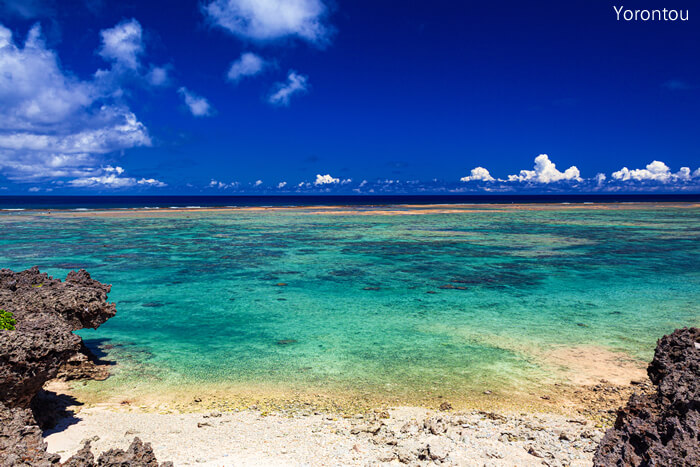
[295, 84]
[281, 185]
[545, 171]
[123, 44]
[53, 124]
[198, 105]
[110, 177]
[249, 64]
[222, 185]
[478, 174]
[656, 171]
[269, 20]
[158, 76]
[325, 180]
[258, 183]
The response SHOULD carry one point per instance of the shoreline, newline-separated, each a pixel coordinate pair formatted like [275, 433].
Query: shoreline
[327, 433]
[561, 423]
[565, 372]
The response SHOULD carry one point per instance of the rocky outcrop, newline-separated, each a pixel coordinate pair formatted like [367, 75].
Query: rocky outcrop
[46, 312]
[80, 300]
[663, 428]
[138, 454]
[21, 441]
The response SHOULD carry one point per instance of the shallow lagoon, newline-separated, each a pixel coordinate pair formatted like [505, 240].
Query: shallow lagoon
[404, 302]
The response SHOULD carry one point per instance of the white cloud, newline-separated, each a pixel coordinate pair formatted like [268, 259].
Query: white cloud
[346, 181]
[34, 189]
[249, 64]
[478, 174]
[52, 124]
[120, 129]
[123, 44]
[158, 76]
[296, 84]
[258, 183]
[545, 171]
[600, 179]
[269, 20]
[151, 182]
[110, 177]
[656, 171]
[198, 105]
[281, 185]
[222, 185]
[325, 180]
[118, 170]
[33, 90]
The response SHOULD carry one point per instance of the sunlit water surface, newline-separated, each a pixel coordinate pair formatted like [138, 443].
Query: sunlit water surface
[399, 305]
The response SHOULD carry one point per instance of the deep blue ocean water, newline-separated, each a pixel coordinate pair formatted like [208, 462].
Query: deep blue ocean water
[135, 202]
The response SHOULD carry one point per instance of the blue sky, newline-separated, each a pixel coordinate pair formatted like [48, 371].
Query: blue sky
[307, 96]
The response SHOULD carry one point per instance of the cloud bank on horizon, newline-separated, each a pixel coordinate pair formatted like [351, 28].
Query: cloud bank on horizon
[544, 177]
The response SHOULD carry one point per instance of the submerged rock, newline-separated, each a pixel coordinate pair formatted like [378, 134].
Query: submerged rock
[661, 429]
[286, 341]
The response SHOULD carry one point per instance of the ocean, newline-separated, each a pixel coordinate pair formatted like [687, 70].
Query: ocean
[139, 202]
[406, 300]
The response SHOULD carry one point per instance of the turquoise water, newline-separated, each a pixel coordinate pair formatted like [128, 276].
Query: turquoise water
[199, 300]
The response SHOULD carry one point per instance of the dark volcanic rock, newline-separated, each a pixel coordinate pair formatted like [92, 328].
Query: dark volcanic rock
[82, 458]
[83, 365]
[46, 311]
[139, 454]
[31, 355]
[80, 300]
[21, 442]
[662, 429]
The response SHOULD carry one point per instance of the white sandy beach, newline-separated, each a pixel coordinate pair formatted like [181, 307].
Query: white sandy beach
[410, 435]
